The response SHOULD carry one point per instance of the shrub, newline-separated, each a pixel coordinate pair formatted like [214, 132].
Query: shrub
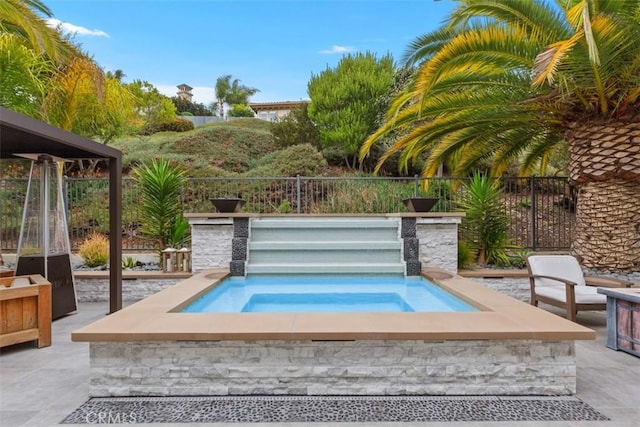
[440, 188]
[485, 224]
[175, 125]
[296, 128]
[518, 258]
[285, 207]
[241, 110]
[466, 255]
[129, 262]
[301, 159]
[95, 250]
[160, 205]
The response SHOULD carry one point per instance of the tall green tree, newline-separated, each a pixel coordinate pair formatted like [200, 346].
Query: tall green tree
[510, 79]
[186, 106]
[75, 95]
[231, 92]
[151, 106]
[343, 100]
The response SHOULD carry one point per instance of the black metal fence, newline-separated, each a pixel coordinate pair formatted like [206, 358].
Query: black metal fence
[541, 210]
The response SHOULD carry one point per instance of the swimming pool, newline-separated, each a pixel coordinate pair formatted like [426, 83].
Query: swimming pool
[327, 294]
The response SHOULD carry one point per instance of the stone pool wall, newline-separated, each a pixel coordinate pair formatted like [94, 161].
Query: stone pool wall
[377, 367]
[94, 286]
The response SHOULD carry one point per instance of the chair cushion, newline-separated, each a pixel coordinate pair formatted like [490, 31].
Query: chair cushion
[563, 266]
[584, 294]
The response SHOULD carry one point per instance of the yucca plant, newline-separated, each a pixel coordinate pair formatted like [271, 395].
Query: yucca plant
[485, 222]
[161, 207]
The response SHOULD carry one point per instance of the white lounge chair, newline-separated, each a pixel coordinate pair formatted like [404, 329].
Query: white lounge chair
[558, 280]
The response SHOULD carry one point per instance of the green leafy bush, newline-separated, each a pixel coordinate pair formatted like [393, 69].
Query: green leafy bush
[466, 256]
[301, 159]
[241, 110]
[176, 125]
[296, 128]
[95, 250]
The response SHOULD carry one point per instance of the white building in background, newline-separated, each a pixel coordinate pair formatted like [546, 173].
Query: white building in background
[273, 111]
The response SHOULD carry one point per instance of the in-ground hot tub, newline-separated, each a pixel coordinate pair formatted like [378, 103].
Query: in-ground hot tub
[506, 348]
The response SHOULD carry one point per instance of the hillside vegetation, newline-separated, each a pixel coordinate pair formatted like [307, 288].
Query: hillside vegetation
[242, 147]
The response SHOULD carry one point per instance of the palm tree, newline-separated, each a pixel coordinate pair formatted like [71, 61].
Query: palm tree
[510, 80]
[117, 75]
[23, 76]
[232, 92]
[25, 19]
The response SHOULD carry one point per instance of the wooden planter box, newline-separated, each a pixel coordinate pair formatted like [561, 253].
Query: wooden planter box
[25, 310]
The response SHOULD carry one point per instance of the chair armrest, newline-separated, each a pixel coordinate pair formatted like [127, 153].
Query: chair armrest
[607, 282]
[559, 279]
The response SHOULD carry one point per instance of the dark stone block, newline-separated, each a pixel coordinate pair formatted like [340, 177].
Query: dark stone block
[411, 249]
[241, 227]
[414, 268]
[408, 228]
[239, 249]
[237, 268]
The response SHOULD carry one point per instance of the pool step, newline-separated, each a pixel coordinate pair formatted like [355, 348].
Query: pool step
[324, 229]
[292, 245]
[318, 268]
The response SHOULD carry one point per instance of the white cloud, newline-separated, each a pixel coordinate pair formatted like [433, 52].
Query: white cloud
[338, 49]
[74, 29]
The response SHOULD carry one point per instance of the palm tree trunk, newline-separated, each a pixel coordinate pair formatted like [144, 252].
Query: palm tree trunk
[607, 234]
[604, 163]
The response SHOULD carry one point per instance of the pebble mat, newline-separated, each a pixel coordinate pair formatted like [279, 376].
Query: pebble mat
[249, 409]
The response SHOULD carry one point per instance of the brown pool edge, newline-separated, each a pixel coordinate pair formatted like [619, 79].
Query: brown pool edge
[501, 317]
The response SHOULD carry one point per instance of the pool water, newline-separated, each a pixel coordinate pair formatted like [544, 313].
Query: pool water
[327, 294]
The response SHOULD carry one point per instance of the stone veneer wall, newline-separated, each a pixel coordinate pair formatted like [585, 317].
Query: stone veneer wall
[95, 290]
[211, 243]
[438, 242]
[182, 368]
[222, 242]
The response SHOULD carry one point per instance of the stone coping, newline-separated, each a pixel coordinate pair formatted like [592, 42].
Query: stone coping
[157, 318]
[293, 215]
[491, 273]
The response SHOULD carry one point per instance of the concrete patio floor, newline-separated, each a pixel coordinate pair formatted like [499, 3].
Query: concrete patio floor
[40, 387]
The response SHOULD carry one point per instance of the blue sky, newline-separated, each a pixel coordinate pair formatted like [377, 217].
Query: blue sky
[274, 46]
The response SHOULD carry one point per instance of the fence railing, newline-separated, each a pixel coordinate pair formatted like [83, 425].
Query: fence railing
[541, 210]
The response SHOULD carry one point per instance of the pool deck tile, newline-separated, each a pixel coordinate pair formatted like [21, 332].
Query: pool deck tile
[607, 380]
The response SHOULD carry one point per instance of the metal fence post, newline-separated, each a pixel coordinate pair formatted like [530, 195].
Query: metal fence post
[298, 193]
[534, 215]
